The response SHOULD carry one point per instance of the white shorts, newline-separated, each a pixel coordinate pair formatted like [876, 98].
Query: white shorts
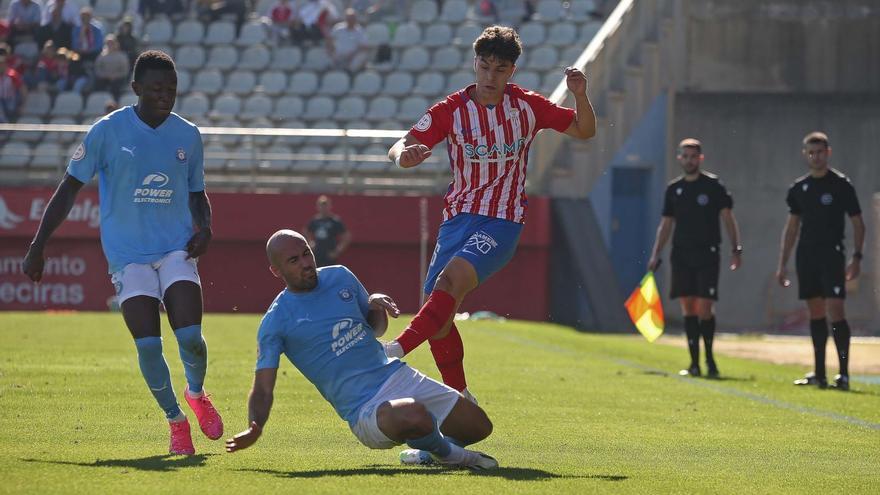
[405, 383]
[153, 279]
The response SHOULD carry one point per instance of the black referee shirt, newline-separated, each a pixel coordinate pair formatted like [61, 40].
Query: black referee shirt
[695, 206]
[821, 204]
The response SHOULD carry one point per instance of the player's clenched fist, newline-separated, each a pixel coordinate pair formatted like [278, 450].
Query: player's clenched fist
[413, 155]
[576, 80]
[33, 265]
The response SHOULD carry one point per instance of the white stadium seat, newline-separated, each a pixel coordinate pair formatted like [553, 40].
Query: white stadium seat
[350, 108]
[286, 58]
[255, 57]
[335, 83]
[465, 34]
[319, 108]
[241, 82]
[454, 11]
[459, 80]
[447, 58]
[398, 84]
[288, 107]
[414, 59]
[429, 84]
[209, 81]
[377, 34]
[158, 31]
[407, 34]
[303, 83]
[316, 59]
[273, 82]
[532, 34]
[190, 57]
[423, 11]
[194, 106]
[226, 107]
[382, 108]
[220, 33]
[67, 104]
[549, 10]
[223, 57]
[189, 32]
[253, 33]
[412, 108]
[543, 58]
[256, 106]
[366, 83]
[562, 34]
[439, 34]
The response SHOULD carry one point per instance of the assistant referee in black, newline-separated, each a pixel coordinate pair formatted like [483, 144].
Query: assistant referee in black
[693, 205]
[818, 203]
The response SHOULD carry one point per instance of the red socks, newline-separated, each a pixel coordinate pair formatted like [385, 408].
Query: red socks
[438, 309]
[449, 355]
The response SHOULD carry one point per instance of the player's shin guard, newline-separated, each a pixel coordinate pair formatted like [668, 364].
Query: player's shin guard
[433, 442]
[194, 354]
[707, 329]
[819, 333]
[692, 330]
[438, 309]
[155, 371]
[449, 355]
[841, 334]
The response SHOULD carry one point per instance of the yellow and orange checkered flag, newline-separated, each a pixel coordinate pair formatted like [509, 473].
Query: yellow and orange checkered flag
[645, 308]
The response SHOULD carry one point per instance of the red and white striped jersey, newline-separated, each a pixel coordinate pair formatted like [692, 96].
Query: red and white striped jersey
[489, 148]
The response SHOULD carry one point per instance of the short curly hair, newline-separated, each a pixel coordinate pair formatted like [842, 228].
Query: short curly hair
[501, 42]
[151, 59]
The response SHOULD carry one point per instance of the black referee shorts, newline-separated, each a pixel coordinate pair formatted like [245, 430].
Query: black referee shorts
[821, 271]
[695, 272]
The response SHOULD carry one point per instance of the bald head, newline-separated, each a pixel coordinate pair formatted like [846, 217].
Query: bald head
[280, 241]
[291, 259]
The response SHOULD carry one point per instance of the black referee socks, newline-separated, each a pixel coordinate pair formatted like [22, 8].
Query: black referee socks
[819, 333]
[692, 330]
[841, 334]
[707, 328]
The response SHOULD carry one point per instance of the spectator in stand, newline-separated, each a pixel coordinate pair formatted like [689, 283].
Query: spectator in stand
[126, 39]
[348, 43]
[280, 18]
[38, 78]
[12, 91]
[58, 31]
[211, 10]
[530, 7]
[313, 20]
[69, 11]
[88, 39]
[112, 68]
[487, 8]
[366, 8]
[12, 60]
[70, 73]
[24, 19]
[150, 8]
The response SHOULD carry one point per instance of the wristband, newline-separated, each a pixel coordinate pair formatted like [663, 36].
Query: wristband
[857, 255]
[397, 161]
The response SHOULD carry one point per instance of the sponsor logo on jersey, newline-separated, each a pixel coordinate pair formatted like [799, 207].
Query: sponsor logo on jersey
[346, 333]
[702, 200]
[153, 190]
[826, 199]
[494, 151]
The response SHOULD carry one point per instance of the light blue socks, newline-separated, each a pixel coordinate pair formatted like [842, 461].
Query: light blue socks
[194, 354]
[155, 371]
[433, 442]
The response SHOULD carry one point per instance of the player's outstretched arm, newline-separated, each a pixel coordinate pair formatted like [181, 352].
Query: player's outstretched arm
[380, 307]
[259, 405]
[789, 235]
[584, 124]
[663, 231]
[56, 211]
[733, 234]
[408, 152]
[200, 209]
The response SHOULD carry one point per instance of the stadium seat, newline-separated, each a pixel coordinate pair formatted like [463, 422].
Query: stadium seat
[549, 10]
[61, 137]
[350, 108]
[423, 11]
[253, 33]
[303, 83]
[551, 80]
[465, 34]
[292, 124]
[259, 123]
[209, 81]
[273, 82]
[407, 34]
[48, 155]
[377, 162]
[256, 106]
[562, 34]
[377, 34]
[194, 106]
[323, 141]
[241, 82]
[447, 58]
[570, 54]
[580, 10]
[158, 31]
[436, 35]
[222, 57]
[274, 158]
[130, 99]
[338, 162]
[414, 59]
[361, 125]
[108, 9]
[15, 154]
[27, 50]
[454, 11]
[382, 108]
[588, 31]
[310, 163]
[220, 33]
[429, 84]
[319, 108]
[255, 57]
[67, 104]
[459, 80]
[215, 156]
[532, 34]
[190, 57]
[264, 7]
[316, 59]
[232, 141]
[335, 83]
[189, 32]
[543, 58]
[398, 84]
[366, 83]
[527, 79]
[226, 106]
[38, 104]
[412, 108]
[27, 136]
[184, 81]
[286, 58]
[96, 104]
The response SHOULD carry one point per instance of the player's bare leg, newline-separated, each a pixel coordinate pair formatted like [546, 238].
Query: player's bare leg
[183, 302]
[690, 310]
[819, 334]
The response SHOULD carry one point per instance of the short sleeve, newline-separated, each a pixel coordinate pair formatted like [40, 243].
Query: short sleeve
[270, 345]
[793, 207]
[88, 156]
[725, 199]
[196, 164]
[851, 200]
[548, 114]
[434, 126]
[363, 297]
[668, 206]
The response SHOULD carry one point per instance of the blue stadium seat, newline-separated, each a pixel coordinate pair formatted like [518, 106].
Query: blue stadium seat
[255, 57]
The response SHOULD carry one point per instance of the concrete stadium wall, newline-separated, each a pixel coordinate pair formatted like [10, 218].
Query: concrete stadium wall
[753, 141]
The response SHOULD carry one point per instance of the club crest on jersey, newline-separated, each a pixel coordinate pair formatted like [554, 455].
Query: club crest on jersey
[345, 294]
[826, 199]
[424, 123]
[702, 200]
[678, 192]
[79, 153]
[805, 187]
[181, 155]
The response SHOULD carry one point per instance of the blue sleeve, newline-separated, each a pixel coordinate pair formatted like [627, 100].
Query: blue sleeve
[87, 159]
[196, 178]
[270, 344]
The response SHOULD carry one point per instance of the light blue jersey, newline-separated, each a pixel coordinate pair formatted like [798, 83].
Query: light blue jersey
[145, 176]
[325, 334]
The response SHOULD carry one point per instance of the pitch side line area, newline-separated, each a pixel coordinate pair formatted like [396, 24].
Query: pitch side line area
[690, 381]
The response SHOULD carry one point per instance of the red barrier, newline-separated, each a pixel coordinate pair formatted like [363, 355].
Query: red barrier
[384, 253]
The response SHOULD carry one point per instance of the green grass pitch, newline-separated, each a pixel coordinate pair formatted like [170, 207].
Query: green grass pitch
[573, 413]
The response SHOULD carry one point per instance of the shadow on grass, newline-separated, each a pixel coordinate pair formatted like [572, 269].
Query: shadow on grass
[723, 378]
[510, 473]
[159, 463]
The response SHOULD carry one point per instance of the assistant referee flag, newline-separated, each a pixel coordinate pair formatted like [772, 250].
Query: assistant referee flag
[645, 309]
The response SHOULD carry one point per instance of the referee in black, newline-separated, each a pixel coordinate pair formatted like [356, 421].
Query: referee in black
[817, 205]
[693, 204]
